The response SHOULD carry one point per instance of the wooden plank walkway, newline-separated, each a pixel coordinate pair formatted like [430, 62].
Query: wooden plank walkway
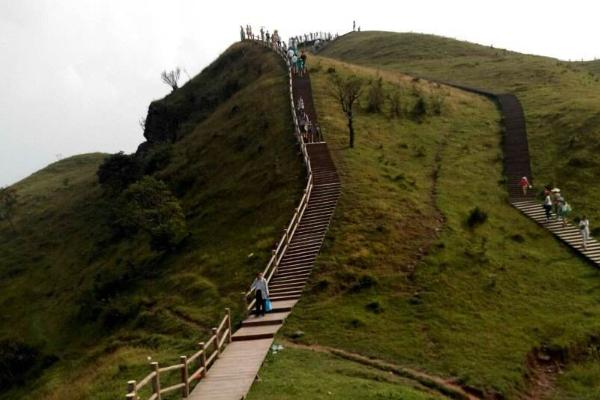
[232, 374]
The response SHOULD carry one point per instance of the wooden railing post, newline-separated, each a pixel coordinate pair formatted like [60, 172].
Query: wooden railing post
[287, 236]
[131, 392]
[185, 390]
[215, 332]
[155, 380]
[274, 253]
[228, 311]
[203, 358]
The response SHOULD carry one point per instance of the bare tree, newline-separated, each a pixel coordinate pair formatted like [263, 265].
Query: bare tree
[8, 202]
[347, 91]
[171, 78]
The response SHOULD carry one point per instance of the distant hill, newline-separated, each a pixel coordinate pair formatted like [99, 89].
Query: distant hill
[561, 99]
[91, 303]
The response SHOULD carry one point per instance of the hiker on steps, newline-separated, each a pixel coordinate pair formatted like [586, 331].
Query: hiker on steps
[261, 291]
[303, 64]
[524, 183]
[548, 206]
[584, 228]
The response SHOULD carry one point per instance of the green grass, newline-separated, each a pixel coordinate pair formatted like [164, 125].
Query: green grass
[304, 374]
[561, 99]
[238, 175]
[468, 303]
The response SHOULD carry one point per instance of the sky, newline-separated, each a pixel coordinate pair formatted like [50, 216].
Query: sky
[78, 75]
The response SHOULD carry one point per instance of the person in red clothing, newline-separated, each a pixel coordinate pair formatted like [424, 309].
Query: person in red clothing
[524, 183]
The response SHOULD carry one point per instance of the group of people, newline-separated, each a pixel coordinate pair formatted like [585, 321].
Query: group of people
[272, 40]
[554, 202]
[297, 61]
[310, 132]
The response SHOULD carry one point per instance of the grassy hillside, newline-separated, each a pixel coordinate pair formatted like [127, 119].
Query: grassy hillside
[404, 278]
[561, 99]
[93, 303]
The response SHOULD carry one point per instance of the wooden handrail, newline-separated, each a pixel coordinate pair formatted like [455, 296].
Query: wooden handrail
[221, 336]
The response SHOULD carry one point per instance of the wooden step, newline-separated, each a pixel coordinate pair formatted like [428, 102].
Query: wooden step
[269, 319]
[255, 332]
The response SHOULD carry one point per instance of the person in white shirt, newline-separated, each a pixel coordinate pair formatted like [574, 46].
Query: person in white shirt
[548, 207]
[584, 228]
[261, 290]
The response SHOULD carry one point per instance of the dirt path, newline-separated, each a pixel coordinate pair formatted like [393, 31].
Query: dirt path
[443, 386]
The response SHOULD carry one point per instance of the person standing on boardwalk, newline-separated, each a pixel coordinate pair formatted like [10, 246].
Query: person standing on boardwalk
[303, 58]
[524, 183]
[262, 34]
[548, 206]
[584, 228]
[242, 33]
[261, 291]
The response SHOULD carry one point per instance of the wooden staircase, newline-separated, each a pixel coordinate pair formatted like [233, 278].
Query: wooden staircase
[517, 164]
[235, 369]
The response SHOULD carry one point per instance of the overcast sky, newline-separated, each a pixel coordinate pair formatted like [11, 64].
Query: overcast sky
[77, 75]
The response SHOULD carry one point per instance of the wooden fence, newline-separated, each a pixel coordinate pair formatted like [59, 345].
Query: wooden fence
[190, 369]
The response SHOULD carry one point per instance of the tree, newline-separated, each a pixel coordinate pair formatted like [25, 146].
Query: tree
[8, 202]
[347, 91]
[148, 205]
[171, 78]
[118, 171]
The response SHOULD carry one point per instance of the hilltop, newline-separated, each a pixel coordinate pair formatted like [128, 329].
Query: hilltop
[404, 277]
[88, 303]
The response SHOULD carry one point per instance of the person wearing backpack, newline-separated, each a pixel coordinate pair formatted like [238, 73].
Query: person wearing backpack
[261, 292]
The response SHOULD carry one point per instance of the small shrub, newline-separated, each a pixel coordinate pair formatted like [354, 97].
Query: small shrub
[17, 360]
[374, 307]
[419, 110]
[395, 99]
[375, 96]
[517, 238]
[363, 283]
[437, 102]
[476, 217]
[158, 158]
[331, 70]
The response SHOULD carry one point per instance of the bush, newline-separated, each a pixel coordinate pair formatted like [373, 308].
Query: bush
[118, 171]
[437, 102]
[158, 158]
[17, 360]
[149, 206]
[419, 110]
[395, 104]
[476, 217]
[375, 96]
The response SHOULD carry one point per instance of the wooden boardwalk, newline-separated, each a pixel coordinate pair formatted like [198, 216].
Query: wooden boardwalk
[234, 371]
[232, 374]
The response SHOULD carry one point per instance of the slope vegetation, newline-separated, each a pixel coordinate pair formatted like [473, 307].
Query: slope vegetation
[426, 264]
[560, 99]
[89, 304]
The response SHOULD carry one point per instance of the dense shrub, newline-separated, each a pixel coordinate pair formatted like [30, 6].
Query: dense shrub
[149, 206]
[118, 171]
[158, 158]
[419, 110]
[476, 217]
[375, 96]
[17, 360]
